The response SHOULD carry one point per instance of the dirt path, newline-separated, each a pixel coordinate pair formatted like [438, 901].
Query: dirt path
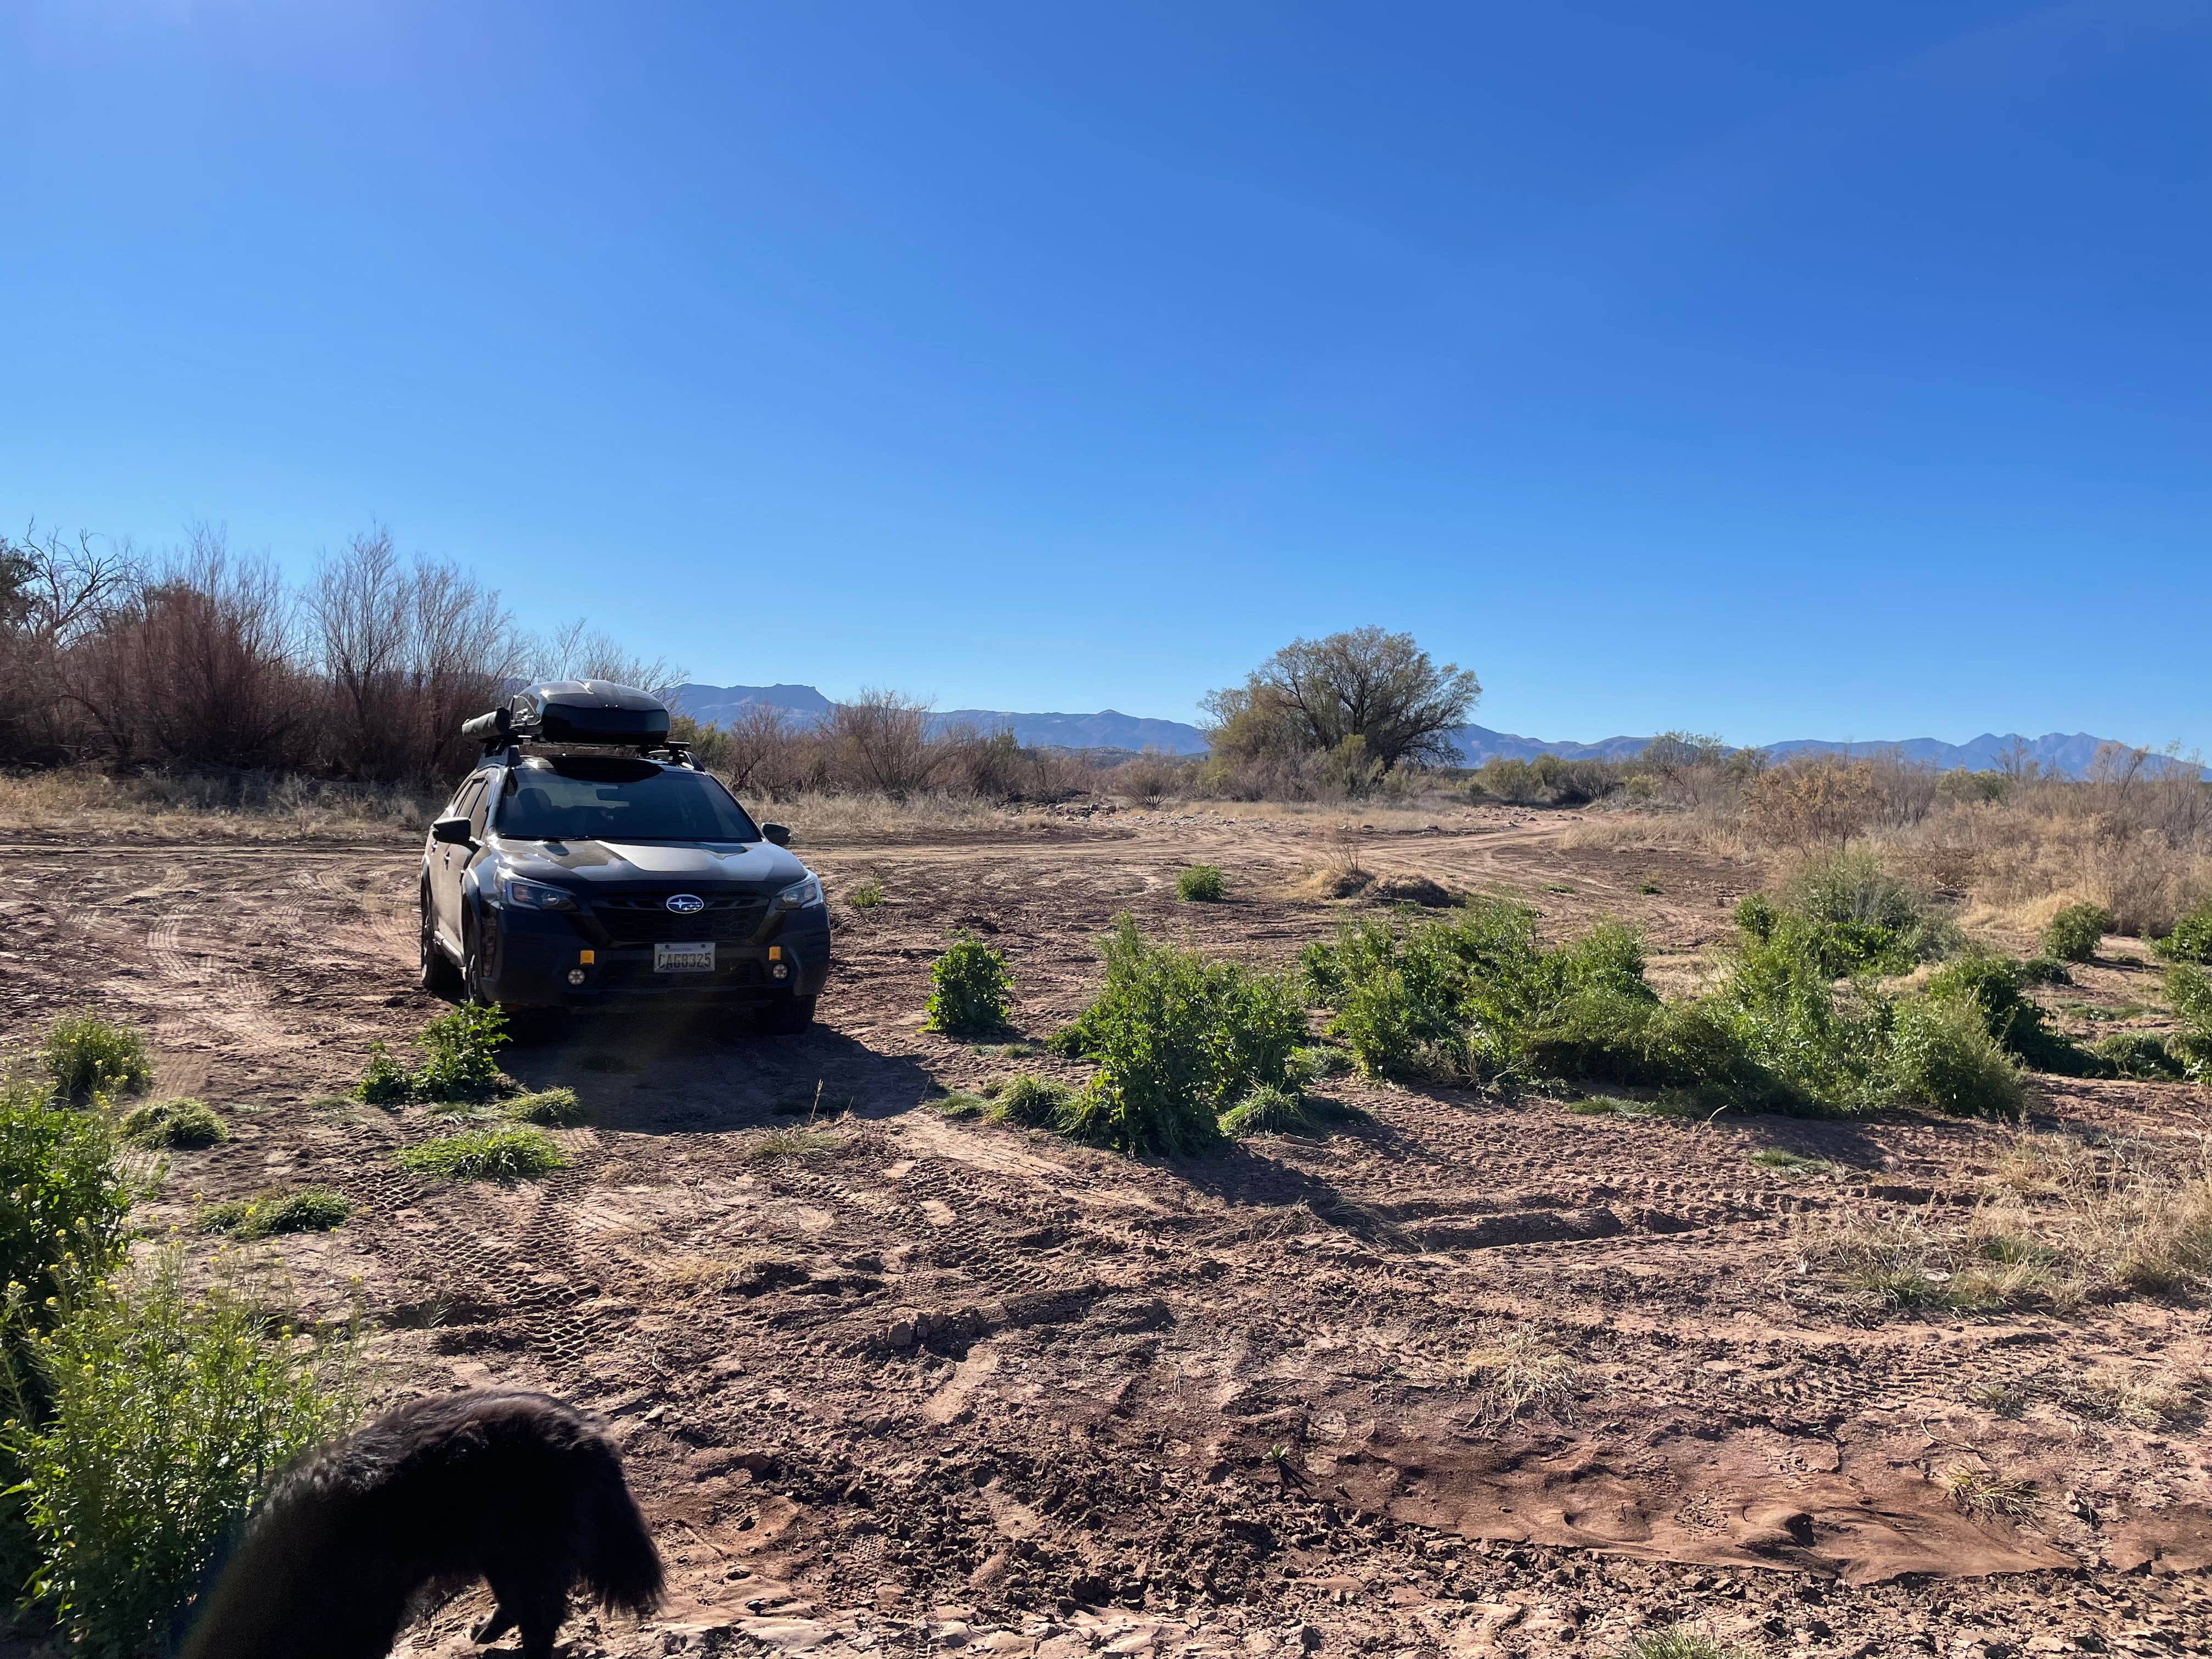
[951, 1384]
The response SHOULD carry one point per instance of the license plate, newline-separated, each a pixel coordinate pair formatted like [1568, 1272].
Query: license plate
[684, 958]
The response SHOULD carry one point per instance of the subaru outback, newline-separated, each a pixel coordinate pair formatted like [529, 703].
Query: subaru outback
[590, 862]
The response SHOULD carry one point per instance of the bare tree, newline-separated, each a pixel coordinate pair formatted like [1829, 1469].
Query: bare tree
[409, 652]
[53, 592]
[577, 651]
[197, 666]
[880, 740]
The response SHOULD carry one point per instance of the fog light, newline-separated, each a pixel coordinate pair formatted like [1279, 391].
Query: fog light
[780, 970]
[575, 976]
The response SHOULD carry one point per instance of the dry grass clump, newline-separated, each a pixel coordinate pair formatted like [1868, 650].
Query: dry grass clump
[1412, 890]
[799, 1141]
[1902, 1262]
[754, 1272]
[2060, 1221]
[2136, 1400]
[1987, 1495]
[1520, 1373]
[248, 807]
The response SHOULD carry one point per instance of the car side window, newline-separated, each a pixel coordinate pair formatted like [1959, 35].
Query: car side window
[467, 804]
[479, 810]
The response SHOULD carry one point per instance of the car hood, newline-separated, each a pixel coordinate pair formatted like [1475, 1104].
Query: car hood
[752, 863]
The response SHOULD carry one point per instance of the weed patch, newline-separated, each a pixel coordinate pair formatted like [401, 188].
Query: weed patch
[555, 1108]
[1201, 884]
[866, 896]
[2074, 932]
[164, 1414]
[2190, 940]
[64, 1207]
[87, 1056]
[1680, 1642]
[507, 1152]
[309, 1209]
[1985, 1494]
[460, 1061]
[971, 992]
[1177, 1038]
[1795, 1163]
[177, 1123]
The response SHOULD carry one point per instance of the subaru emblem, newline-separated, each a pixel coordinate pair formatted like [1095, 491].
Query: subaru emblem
[686, 904]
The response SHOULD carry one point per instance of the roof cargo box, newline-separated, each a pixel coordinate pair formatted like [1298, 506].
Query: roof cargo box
[588, 712]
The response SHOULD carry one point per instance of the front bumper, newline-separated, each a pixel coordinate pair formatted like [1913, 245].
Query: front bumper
[528, 957]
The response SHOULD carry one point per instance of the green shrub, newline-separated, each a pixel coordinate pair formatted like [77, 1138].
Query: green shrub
[867, 895]
[2191, 938]
[2074, 932]
[64, 1207]
[505, 1152]
[2189, 992]
[1034, 1102]
[86, 1056]
[306, 1209]
[385, 1081]
[1993, 985]
[186, 1123]
[555, 1109]
[1317, 1061]
[2045, 970]
[1848, 916]
[1177, 1039]
[971, 992]
[1201, 884]
[164, 1414]
[1942, 1054]
[2140, 1055]
[459, 1053]
[1756, 915]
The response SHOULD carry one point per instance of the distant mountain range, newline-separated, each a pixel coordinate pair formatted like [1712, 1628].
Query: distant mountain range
[2066, 754]
[718, 705]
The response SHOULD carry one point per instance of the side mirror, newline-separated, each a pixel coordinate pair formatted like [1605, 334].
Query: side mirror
[778, 833]
[452, 832]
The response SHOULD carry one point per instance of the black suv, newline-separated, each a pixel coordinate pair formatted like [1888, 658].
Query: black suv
[589, 861]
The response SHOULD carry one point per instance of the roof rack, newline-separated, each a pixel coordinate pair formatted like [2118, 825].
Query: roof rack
[579, 714]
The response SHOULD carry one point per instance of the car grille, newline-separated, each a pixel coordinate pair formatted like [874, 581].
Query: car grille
[648, 920]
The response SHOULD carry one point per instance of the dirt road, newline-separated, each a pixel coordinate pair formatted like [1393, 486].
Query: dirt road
[950, 1384]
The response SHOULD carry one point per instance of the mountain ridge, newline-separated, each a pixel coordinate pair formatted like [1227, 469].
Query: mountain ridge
[2067, 754]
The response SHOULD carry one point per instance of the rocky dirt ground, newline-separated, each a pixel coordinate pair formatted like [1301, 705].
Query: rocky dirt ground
[931, 1384]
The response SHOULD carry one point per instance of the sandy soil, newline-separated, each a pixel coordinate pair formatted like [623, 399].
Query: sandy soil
[947, 1384]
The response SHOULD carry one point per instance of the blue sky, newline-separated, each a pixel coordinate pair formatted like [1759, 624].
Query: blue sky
[1780, 371]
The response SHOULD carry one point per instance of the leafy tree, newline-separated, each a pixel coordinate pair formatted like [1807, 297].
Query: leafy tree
[1317, 695]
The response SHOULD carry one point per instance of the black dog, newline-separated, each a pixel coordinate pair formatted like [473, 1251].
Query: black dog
[517, 1489]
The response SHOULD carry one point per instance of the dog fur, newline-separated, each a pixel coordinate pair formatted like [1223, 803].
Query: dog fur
[514, 1488]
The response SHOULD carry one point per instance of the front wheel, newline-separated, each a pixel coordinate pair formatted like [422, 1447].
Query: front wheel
[437, 975]
[788, 1016]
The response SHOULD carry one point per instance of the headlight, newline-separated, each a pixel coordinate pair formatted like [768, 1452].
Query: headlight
[800, 895]
[535, 895]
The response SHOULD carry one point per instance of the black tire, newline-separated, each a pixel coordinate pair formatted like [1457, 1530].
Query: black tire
[789, 1016]
[471, 967]
[437, 974]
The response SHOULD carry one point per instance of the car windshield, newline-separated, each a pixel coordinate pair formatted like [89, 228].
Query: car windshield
[619, 801]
